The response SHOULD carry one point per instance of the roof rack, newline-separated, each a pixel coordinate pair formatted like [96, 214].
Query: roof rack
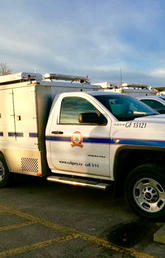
[19, 77]
[55, 76]
[134, 85]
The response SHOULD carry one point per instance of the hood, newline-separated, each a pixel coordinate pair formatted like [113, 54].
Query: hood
[153, 118]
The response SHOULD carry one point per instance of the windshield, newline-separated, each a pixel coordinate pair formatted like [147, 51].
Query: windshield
[125, 107]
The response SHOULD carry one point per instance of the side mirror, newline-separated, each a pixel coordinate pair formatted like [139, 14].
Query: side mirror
[92, 118]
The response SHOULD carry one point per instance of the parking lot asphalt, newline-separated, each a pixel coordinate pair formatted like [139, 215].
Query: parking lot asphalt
[43, 219]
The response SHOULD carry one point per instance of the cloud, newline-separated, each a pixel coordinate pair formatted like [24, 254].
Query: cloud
[159, 73]
[82, 37]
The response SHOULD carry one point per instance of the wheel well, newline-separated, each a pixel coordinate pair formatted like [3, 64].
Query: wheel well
[127, 159]
[2, 157]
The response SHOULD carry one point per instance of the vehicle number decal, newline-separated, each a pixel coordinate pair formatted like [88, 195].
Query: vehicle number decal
[141, 125]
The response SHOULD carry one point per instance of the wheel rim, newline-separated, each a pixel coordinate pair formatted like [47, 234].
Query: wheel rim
[2, 171]
[149, 195]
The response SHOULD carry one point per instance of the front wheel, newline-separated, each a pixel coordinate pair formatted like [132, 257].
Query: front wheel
[145, 190]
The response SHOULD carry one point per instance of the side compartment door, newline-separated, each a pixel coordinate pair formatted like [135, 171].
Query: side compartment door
[7, 116]
[25, 116]
[79, 147]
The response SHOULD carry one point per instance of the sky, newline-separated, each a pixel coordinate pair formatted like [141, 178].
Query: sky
[108, 40]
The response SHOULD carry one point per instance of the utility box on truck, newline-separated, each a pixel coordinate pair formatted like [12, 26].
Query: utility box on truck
[25, 102]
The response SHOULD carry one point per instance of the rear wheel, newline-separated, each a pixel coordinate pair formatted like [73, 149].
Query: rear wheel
[4, 173]
[145, 190]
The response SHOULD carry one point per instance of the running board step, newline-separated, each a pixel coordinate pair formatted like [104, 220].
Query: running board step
[78, 182]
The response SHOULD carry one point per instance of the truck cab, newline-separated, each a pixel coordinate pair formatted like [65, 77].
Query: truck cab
[85, 130]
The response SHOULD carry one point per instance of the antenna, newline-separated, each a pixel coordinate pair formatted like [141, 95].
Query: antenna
[121, 77]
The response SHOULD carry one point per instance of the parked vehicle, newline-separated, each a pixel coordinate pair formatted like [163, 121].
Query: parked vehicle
[132, 89]
[72, 132]
[155, 102]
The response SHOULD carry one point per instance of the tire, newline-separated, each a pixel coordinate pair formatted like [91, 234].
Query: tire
[4, 173]
[145, 190]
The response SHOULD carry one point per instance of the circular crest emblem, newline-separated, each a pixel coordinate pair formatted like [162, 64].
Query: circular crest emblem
[77, 139]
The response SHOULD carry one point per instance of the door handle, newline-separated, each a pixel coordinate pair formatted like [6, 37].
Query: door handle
[57, 132]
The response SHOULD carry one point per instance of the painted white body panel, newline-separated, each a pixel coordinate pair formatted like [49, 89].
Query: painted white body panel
[86, 158]
[147, 132]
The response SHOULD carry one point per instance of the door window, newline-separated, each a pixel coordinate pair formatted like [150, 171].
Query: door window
[71, 107]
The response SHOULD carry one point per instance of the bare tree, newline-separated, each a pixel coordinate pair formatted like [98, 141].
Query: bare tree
[4, 70]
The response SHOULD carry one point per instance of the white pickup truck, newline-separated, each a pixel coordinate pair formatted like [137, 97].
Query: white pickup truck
[72, 132]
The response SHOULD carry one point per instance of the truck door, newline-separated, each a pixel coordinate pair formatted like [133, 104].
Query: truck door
[76, 147]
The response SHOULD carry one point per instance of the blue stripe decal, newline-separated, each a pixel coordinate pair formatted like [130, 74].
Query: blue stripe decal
[87, 140]
[58, 139]
[11, 134]
[1, 133]
[15, 134]
[98, 140]
[137, 142]
[134, 142]
[33, 135]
